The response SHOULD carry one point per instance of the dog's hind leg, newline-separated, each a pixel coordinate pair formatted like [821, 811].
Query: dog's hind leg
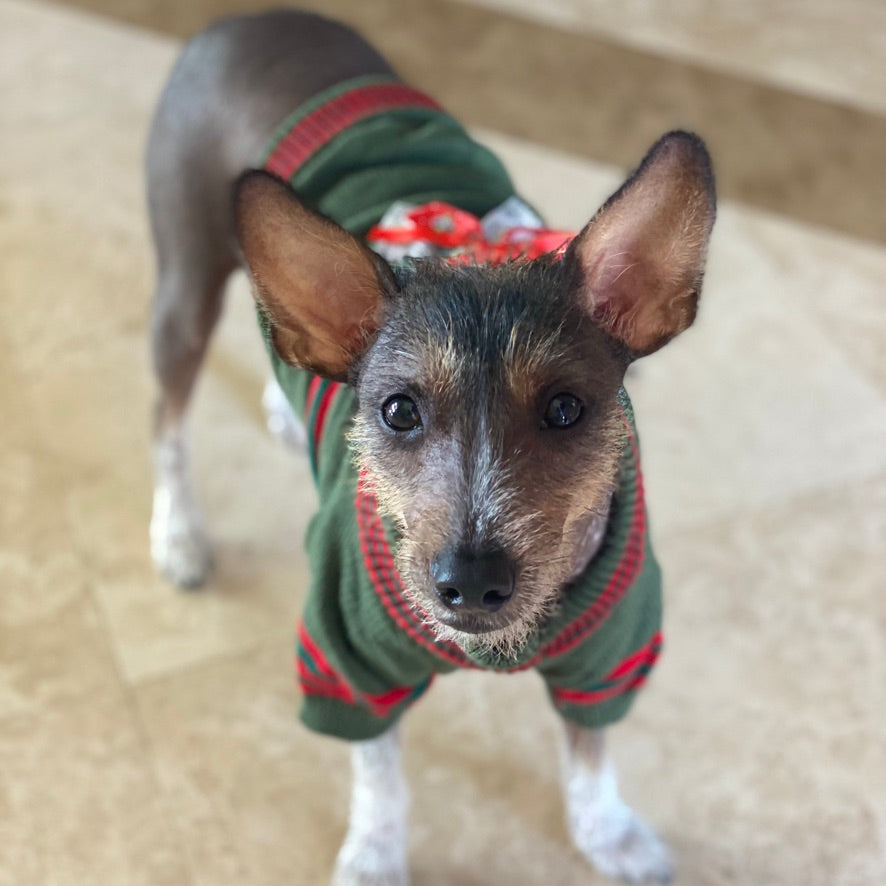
[374, 851]
[179, 545]
[604, 829]
[186, 308]
[195, 255]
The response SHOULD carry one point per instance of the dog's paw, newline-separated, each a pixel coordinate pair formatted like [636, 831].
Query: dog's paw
[179, 545]
[180, 548]
[369, 864]
[607, 832]
[624, 847]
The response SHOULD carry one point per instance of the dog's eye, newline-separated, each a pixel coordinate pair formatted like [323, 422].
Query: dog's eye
[400, 413]
[563, 411]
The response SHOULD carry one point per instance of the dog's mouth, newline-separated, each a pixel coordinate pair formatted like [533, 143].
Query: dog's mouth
[471, 622]
[501, 637]
[503, 634]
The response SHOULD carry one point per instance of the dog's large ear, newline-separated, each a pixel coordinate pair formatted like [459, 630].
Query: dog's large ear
[322, 289]
[640, 260]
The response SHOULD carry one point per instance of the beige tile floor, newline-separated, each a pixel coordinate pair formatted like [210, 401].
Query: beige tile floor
[827, 49]
[148, 736]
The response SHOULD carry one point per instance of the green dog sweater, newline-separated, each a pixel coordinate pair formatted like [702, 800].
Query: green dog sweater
[364, 654]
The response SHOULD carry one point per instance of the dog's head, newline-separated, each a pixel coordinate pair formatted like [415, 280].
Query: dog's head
[488, 420]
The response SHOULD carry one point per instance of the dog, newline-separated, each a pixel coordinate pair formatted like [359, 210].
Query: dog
[473, 447]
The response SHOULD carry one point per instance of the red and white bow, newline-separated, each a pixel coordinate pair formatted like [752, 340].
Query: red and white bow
[441, 230]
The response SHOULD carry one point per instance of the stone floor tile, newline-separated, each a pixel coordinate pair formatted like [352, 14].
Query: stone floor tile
[79, 803]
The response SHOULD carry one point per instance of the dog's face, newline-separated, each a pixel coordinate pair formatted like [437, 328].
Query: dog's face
[489, 427]
[488, 420]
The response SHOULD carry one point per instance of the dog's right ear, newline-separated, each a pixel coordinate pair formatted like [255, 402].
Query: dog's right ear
[322, 289]
[640, 260]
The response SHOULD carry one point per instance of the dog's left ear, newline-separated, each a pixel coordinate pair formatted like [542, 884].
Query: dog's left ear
[640, 260]
[323, 290]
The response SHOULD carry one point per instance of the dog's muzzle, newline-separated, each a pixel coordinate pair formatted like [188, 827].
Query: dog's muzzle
[472, 586]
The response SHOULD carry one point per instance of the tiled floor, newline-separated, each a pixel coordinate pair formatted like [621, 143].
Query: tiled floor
[148, 736]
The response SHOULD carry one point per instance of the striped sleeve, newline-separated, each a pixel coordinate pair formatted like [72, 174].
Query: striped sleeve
[597, 700]
[333, 705]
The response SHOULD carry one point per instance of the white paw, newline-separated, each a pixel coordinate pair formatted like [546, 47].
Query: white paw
[179, 546]
[283, 423]
[369, 863]
[608, 833]
[627, 849]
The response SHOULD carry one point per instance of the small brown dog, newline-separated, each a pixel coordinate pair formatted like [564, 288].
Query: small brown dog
[491, 441]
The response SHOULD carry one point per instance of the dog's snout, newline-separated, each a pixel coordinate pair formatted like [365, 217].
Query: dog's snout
[469, 582]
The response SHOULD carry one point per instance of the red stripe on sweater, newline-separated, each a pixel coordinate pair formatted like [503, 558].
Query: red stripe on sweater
[327, 690]
[389, 586]
[314, 684]
[313, 650]
[390, 698]
[597, 696]
[331, 684]
[645, 655]
[321, 125]
[375, 562]
[322, 411]
[379, 563]
[384, 702]
[627, 676]
[380, 704]
[313, 387]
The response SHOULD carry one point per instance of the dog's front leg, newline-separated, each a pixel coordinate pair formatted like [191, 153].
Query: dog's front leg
[603, 827]
[374, 851]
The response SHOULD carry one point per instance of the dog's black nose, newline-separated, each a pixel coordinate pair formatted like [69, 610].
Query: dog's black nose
[466, 581]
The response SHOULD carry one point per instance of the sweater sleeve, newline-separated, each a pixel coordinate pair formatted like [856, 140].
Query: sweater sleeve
[595, 701]
[333, 705]
[357, 670]
[594, 683]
